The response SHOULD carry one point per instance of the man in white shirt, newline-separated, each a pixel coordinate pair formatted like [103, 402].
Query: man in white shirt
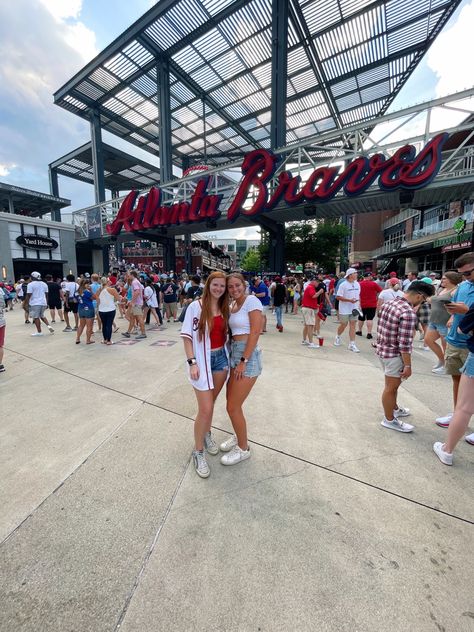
[37, 301]
[411, 276]
[348, 295]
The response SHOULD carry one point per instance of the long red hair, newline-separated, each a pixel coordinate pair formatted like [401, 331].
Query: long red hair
[207, 317]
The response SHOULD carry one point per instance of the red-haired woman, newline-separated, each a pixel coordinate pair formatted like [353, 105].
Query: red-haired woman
[245, 323]
[204, 334]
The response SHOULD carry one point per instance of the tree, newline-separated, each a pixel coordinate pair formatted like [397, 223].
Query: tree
[251, 260]
[319, 241]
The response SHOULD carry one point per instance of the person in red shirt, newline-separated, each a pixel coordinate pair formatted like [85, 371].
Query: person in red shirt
[112, 279]
[309, 308]
[369, 291]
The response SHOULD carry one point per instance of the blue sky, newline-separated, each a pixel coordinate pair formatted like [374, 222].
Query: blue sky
[43, 43]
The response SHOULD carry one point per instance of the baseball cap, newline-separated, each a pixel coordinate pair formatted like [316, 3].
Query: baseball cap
[277, 279]
[87, 275]
[349, 271]
[393, 274]
[393, 281]
[427, 280]
[35, 275]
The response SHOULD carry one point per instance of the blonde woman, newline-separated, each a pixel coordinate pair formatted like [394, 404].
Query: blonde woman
[439, 316]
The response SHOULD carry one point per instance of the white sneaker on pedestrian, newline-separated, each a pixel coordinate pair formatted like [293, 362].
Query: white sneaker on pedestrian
[353, 347]
[200, 464]
[210, 445]
[305, 342]
[439, 370]
[313, 346]
[51, 330]
[443, 456]
[337, 341]
[396, 424]
[229, 444]
[443, 422]
[37, 333]
[236, 455]
[402, 412]
[470, 438]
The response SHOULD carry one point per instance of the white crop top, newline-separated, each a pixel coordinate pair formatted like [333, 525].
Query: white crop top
[239, 323]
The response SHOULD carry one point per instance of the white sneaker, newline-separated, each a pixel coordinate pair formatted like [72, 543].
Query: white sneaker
[236, 455]
[439, 370]
[337, 341]
[313, 346]
[470, 438]
[396, 424]
[210, 445]
[305, 342]
[200, 464]
[229, 444]
[353, 347]
[444, 422]
[51, 330]
[443, 456]
[37, 333]
[402, 412]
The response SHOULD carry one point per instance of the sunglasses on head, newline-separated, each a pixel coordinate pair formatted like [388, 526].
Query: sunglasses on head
[468, 272]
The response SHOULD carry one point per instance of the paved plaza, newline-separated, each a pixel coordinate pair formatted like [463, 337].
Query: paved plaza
[335, 524]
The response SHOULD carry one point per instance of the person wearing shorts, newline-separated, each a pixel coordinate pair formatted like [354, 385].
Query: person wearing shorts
[395, 331]
[309, 310]
[260, 290]
[348, 295]
[245, 323]
[54, 298]
[465, 398]
[37, 301]
[204, 334]
[136, 308]
[71, 304]
[369, 292]
[456, 342]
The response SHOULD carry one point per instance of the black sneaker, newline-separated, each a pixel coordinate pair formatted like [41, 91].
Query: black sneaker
[358, 333]
[126, 334]
[369, 336]
[2, 368]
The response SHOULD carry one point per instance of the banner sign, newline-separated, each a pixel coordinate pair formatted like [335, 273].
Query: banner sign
[404, 170]
[37, 242]
[94, 223]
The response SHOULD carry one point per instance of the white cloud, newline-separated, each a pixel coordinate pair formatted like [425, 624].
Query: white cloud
[5, 170]
[75, 33]
[451, 54]
[63, 9]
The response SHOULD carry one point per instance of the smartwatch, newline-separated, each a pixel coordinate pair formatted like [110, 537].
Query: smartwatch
[244, 360]
[191, 361]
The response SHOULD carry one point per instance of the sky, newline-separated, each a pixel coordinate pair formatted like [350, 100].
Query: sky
[43, 43]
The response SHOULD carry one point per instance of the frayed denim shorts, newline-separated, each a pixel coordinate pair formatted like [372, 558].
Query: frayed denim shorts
[468, 367]
[441, 329]
[219, 360]
[253, 368]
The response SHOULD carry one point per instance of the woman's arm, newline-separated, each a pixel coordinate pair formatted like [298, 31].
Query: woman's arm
[189, 351]
[255, 318]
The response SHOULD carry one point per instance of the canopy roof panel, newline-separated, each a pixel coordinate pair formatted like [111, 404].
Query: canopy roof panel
[122, 171]
[28, 202]
[347, 60]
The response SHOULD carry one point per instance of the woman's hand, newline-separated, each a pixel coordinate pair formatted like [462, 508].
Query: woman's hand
[194, 372]
[239, 371]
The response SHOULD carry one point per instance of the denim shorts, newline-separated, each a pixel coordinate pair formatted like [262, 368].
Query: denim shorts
[85, 312]
[253, 368]
[468, 368]
[219, 360]
[441, 329]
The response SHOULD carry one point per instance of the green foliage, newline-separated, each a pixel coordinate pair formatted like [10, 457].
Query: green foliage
[319, 241]
[251, 260]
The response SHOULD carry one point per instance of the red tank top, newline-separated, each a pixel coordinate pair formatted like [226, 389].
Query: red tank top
[218, 334]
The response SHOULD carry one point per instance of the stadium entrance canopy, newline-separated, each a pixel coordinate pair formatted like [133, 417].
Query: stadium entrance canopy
[207, 81]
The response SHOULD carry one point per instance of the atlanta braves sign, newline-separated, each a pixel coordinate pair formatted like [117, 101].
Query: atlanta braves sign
[404, 170]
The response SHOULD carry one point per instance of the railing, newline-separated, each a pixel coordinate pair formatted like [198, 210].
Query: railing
[400, 217]
[439, 227]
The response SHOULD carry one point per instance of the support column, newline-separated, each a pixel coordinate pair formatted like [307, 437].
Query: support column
[277, 249]
[54, 190]
[11, 207]
[164, 105]
[188, 253]
[279, 72]
[97, 156]
[105, 260]
[170, 254]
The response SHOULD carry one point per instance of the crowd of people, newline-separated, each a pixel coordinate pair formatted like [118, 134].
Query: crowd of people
[223, 316]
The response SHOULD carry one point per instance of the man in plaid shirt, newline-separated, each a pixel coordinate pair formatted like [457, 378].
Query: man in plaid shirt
[395, 331]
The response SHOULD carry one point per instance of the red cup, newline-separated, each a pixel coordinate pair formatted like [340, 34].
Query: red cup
[321, 341]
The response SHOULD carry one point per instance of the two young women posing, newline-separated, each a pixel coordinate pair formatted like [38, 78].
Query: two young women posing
[223, 306]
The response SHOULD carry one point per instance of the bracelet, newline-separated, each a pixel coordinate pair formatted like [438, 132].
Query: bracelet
[407, 366]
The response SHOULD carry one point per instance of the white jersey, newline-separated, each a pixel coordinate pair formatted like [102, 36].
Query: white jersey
[201, 348]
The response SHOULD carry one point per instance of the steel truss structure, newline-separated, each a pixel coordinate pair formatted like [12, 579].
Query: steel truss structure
[209, 80]
[414, 125]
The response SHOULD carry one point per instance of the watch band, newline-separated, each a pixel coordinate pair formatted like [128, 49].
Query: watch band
[244, 360]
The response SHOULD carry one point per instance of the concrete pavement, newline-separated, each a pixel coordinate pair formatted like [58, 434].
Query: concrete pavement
[334, 524]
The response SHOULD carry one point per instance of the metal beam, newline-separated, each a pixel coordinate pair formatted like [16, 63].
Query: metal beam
[97, 157]
[279, 72]
[166, 149]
